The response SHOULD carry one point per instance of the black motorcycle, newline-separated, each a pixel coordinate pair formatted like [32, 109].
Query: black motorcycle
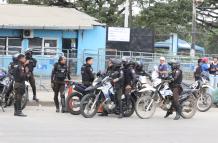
[5, 84]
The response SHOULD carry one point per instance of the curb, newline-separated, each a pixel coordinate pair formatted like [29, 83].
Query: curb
[41, 103]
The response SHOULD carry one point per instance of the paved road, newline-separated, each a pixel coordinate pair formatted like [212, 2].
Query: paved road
[43, 125]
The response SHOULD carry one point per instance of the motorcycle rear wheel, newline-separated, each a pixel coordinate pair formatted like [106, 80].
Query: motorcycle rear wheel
[86, 104]
[189, 107]
[73, 103]
[141, 107]
[205, 102]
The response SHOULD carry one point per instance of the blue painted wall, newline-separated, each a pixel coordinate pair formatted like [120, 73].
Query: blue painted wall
[92, 43]
[88, 40]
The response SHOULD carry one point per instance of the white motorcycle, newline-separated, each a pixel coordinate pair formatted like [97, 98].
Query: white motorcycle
[159, 94]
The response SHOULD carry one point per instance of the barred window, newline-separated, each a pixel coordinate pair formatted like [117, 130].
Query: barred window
[36, 45]
[50, 46]
[2, 46]
[14, 45]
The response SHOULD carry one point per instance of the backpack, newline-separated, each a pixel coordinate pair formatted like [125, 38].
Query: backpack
[198, 71]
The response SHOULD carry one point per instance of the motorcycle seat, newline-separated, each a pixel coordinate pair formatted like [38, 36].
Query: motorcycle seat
[186, 84]
[185, 91]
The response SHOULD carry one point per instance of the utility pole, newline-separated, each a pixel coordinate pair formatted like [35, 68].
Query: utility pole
[130, 13]
[192, 51]
[126, 17]
[195, 3]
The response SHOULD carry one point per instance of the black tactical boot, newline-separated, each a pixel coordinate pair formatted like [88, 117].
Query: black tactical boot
[177, 116]
[121, 111]
[57, 110]
[15, 109]
[168, 114]
[19, 110]
[35, 98]
[63, 109]
[120, 116]
[103, 114]
[57, 105]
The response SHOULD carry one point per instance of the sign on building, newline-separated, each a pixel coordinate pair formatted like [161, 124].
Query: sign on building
[118, 34]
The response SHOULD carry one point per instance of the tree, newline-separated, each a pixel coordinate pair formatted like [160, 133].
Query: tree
[166, 17]
[208, 15]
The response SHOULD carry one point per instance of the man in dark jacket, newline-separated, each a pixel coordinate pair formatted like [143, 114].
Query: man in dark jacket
[129, 77]
[58, 76]
[87, 72]
[30, 65]
[19, 75]
[176, 88]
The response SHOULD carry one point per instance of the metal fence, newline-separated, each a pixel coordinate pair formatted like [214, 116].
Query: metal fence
[101, 57]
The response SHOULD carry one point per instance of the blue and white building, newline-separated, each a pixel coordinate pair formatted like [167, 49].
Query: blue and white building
[50, 31]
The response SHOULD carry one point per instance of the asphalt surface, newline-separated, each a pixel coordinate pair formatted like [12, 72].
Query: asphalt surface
[43, 125]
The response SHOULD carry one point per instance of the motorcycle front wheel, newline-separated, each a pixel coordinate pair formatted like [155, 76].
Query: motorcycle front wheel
[205, 102]
[189, 107]
[145, 107]
[130, 108]
[87, 106]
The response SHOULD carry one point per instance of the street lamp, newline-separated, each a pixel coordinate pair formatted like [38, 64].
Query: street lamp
[194, 16]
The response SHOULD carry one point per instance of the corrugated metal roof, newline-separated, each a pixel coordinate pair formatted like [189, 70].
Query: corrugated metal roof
[43, 17]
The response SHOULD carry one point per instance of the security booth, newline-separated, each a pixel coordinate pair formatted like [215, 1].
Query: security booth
[50, 32]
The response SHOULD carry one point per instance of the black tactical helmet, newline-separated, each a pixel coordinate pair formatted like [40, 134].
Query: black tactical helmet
[61, 58]
[15, 57]
[138, 65]
[28, 52]
[20, 56]
[116, 63]
[174, 64]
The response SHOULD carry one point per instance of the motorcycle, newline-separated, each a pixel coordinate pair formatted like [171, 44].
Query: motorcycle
[4, 84]
[75, 93]
[159, 94]
[98, 95]
[205, 99]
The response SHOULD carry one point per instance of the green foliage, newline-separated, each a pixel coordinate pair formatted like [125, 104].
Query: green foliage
[164, 16]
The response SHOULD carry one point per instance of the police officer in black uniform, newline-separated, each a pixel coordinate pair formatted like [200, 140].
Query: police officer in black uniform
[176, 88]
[129, 77]
[117, 76]
[114, 70]
[58, 76]
[87, 72]
[30, 65]
[11, 68]
[19, 75]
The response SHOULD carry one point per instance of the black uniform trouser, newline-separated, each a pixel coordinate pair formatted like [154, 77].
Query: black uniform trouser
[32, 82]
[177, 90]
[59, 88]
[119, 93]
[19, 90]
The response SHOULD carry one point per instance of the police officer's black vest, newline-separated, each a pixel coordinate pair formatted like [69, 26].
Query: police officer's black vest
[61, 72]
[179, 79]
